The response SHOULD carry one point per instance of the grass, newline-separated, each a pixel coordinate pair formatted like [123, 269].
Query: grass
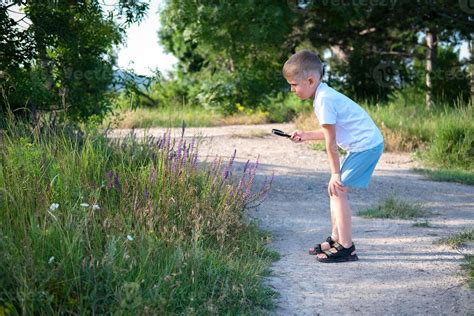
[449, 175]
[468, 266]
[405, 127]
[457, 241]
[424, 224]
[90, 226]
[193, 116]
[393, 208]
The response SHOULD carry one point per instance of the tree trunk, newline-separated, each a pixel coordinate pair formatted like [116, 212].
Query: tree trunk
[471, 44]
[430, 53]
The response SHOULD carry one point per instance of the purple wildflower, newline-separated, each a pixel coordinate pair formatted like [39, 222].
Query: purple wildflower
[146, 193]
[185, 153]
[110, 176]
[233, 158]
[241, 184]
[194, 161]
[229, 166]
[183, 127]
[159, 143]
[178, 154]
[152, 173]
[246, 166]
[117, 184]
[247, 194]
[173, 167]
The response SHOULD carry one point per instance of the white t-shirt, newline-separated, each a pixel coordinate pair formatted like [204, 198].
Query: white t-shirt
[355, 130]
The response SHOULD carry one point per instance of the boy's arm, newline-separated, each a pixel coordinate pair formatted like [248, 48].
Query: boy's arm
[309, 135]
[314, 135]
[335, 183]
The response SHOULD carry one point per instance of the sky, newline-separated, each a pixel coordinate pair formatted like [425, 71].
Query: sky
[142, 51]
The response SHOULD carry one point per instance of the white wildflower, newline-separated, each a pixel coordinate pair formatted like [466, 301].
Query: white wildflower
[95, 207]
[84, 205]
[129, 237]
[51, 259]
[54, 207]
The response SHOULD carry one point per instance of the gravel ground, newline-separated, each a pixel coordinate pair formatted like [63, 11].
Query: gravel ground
[400, 271]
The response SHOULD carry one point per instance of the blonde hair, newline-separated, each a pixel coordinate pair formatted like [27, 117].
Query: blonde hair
[303, 64]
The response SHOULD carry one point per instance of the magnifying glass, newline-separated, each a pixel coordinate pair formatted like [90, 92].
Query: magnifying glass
[280, 133]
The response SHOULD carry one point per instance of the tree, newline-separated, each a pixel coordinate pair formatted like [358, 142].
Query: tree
[231, 49]
[69, 67]
[229, 53]
[359, 35]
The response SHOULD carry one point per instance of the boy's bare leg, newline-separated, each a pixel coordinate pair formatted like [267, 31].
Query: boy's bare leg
[334, 232]
[341, 211]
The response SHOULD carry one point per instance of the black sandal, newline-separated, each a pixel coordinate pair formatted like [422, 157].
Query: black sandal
[341, 255]
[317, 249]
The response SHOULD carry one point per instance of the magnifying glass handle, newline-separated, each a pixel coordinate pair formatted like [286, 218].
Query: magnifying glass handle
[280, 133]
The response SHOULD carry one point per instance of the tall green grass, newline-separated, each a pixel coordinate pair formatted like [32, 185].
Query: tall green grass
[275, 109]
[443, 137]
[410, 127]
[90, 227]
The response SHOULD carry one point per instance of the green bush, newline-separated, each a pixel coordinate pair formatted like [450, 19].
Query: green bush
[283, 107]
[453, 145]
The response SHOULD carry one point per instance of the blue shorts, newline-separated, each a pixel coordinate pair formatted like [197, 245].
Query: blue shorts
[357, 167]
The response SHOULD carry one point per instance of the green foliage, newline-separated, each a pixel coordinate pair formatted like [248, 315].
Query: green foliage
[458, 239]
[424, 224]
[90, 226]
[373, 48]
[453, 145]
[450, 77]
[469, 267]
[16, 46]
[233, 51]
[230, 50]
[408, 125]
[284, 107]
[449, 175]
[444, 136]
[393, 208]
[368, 77]
[63, 62]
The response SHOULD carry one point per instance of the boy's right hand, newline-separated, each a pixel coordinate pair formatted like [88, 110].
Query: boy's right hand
[296, 136]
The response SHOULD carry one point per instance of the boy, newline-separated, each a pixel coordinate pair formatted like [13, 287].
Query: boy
[345, 124]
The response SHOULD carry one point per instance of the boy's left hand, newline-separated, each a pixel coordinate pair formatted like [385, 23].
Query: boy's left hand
[335, 184]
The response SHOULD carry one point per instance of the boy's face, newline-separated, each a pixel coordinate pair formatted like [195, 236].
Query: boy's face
[303, 88]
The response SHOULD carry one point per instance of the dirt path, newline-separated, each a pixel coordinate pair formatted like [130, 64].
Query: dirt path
[400, 271]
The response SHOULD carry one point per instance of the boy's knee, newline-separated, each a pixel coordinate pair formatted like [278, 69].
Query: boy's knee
[341, 193]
